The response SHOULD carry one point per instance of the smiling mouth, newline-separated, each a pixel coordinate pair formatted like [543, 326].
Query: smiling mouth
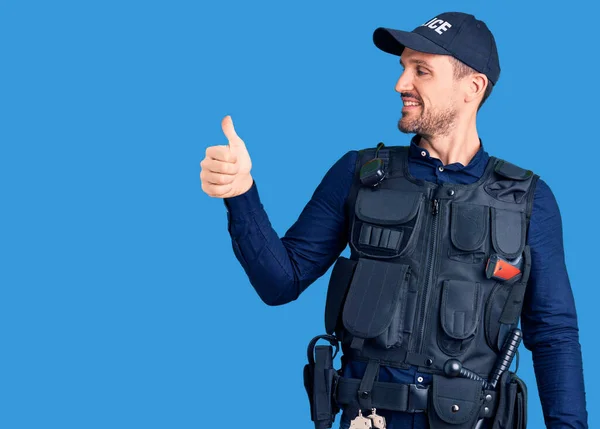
[410, 101]
[410, 105]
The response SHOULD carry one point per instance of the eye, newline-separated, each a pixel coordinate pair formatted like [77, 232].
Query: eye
[421, 72]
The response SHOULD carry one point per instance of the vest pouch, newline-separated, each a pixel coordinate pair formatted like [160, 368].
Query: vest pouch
[459, 315]
[341, 275]
[512, 403]
[493, 310]
[455, 403]
[376, 303]
[387, 222]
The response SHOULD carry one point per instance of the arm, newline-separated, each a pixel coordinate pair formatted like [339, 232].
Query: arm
[281, 269]
[549, 319]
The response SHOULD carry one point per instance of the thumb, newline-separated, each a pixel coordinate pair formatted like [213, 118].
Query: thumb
[229, 131]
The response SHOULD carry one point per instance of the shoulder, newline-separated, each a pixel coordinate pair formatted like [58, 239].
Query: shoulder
[346, 163]
[544, 201]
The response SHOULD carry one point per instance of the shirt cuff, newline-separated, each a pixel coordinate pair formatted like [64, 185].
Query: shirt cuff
[240, 206]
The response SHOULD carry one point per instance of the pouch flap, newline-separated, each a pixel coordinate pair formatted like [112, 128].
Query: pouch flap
[469, 225]
[521, 386]
[341, 275]
[508, 232]
[387, 206]
[461, 307]
[456, 400]
[376, 289]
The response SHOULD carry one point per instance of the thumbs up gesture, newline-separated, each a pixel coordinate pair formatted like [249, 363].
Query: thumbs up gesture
[225, 170]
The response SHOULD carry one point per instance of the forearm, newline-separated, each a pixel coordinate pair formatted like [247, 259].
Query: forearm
[559, 376]
[280, 269]
[260, 251]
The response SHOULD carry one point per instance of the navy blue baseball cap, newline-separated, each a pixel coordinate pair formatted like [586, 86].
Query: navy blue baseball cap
[452, 33]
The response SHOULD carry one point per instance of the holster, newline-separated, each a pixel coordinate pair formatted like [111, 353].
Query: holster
[320, 381]
[512, 403]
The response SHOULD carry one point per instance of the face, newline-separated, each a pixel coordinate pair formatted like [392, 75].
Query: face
[429, 92]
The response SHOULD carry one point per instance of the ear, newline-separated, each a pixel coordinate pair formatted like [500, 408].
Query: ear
[477, 83]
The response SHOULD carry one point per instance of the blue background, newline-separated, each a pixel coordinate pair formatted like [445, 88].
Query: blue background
[122, 304]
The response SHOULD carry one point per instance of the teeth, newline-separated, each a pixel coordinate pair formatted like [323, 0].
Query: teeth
[411, 103]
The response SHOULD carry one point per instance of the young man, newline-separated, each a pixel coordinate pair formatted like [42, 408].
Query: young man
[449, 246]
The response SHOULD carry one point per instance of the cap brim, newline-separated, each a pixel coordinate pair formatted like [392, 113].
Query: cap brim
[394, 42]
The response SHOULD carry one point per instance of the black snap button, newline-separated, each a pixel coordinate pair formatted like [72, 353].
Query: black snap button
[364, 394]
[429, 362]
[488, 397]
[450, 192]
[455, 408]
[486, 411]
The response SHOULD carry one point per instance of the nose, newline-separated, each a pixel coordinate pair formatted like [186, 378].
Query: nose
[404, 83]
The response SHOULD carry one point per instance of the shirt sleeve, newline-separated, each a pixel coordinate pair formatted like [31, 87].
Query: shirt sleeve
[280, 269]
[549, 319]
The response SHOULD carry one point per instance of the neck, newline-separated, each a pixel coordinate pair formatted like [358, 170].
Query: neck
[460, 145]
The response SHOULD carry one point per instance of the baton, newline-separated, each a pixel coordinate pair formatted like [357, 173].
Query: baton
[504, 361]
[506, 357]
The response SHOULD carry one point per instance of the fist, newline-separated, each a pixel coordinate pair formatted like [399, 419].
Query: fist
[225, 170]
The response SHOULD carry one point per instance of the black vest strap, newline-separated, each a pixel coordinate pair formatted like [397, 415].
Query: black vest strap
[532, 187]
[397, 357]
[514, 303]
[384, 154]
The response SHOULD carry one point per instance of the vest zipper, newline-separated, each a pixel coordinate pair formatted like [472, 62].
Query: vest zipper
[430, 265]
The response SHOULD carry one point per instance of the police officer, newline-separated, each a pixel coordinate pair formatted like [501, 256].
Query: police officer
[449, 247]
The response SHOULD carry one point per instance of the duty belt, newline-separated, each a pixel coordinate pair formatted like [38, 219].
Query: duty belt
[410, 398]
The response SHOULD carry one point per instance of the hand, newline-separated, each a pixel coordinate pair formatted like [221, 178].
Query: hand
[225, 170]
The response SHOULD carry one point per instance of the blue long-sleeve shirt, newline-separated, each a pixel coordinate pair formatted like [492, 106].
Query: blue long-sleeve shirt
[280, 269]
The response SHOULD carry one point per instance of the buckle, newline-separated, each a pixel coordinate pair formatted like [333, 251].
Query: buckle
[417, 398]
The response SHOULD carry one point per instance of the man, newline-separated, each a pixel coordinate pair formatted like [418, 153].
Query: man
[449, 246]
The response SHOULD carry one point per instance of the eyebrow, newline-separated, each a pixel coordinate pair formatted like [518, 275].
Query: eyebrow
[418, 62]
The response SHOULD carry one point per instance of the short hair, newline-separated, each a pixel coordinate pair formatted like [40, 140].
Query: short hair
[461, 70]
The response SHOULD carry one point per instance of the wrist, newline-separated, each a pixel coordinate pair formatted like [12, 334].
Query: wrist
[246, 184]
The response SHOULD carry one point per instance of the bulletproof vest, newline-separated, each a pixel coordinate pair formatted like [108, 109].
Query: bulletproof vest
[417, 288]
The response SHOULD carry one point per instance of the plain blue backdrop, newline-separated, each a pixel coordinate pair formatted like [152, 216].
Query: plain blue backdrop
[122, 304]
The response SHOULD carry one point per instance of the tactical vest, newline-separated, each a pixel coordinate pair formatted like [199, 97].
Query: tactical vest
[415, 289]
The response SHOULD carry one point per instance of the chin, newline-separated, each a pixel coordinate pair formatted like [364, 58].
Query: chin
[406, 128]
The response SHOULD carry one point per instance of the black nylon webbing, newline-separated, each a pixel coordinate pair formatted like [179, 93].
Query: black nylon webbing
[385, 395]
[366, 384]
[396, 357]
[514, 302]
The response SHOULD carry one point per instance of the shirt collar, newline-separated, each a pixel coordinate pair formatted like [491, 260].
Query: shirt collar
[420, 155]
